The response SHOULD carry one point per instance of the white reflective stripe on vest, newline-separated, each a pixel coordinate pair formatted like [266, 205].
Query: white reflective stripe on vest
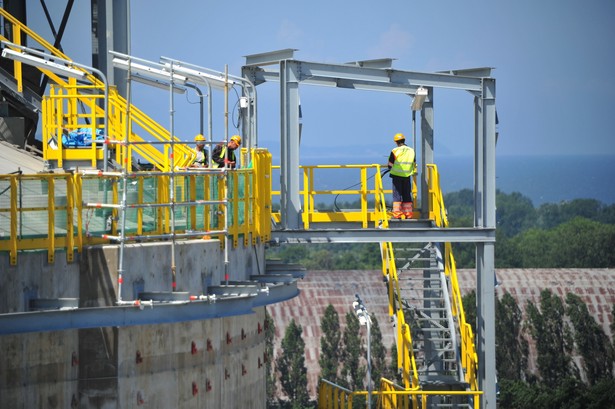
[404, 161]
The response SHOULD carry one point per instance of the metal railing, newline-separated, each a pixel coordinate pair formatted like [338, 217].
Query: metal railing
[60, 114]
[50, 211]
[392, 396]
[410, 395]
[437, 212]
[368, 191]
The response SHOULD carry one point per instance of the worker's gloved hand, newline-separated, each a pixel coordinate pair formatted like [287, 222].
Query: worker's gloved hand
[228, 162]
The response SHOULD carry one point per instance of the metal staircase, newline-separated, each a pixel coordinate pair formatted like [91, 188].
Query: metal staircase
[424, 289]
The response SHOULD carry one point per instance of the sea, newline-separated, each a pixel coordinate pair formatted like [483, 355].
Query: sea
[543, 179]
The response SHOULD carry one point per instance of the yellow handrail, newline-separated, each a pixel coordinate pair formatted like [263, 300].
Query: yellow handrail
[437, 212]
[61, 114]
[392, 396]
[363, 191]
[389, 396]
[49, 211]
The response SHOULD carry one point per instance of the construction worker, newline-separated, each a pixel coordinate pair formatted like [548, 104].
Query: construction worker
[402, 165]
[224, 155]
[200, 154]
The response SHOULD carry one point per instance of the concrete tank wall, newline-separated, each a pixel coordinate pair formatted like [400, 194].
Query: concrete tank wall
[195, 364]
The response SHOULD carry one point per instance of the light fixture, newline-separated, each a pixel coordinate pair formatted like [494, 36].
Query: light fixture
[136, 68]
[157, 84]
[42, 63]
[365, 320]
[199, 77]
[419, 98]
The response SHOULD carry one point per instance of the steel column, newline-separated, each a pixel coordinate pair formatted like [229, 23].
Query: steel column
[289, 155]
[485, 189]
[427, 148]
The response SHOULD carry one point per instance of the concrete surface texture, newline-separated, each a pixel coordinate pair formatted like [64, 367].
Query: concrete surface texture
[209, 363]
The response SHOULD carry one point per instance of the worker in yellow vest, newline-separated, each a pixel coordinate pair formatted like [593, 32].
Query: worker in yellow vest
[224, 155]
[200, 154]
[402, 165]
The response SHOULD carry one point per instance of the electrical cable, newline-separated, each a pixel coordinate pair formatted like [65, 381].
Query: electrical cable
[236, 124]
[336, 208]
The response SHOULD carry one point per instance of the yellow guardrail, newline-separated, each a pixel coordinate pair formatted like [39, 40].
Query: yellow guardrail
[50, 212]
[60, 113]
[389, 396]
[410, 394]
[61, 116]
[361, 190]
[437, 212]
[393, 396]
[329, 394]
[368, 190]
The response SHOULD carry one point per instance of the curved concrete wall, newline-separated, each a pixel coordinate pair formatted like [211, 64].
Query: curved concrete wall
[211, 363]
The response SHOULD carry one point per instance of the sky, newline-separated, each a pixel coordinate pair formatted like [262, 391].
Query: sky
[552, 60]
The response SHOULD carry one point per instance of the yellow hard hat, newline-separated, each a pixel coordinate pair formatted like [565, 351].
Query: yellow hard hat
[236, 138]
[199, 138]
[398, 137]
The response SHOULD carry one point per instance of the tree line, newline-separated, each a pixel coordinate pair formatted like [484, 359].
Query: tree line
[576, 234]
[342, 360]
[574, 356]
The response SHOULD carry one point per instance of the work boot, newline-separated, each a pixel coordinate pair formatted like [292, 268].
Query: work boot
[406, 208]
[397, 213]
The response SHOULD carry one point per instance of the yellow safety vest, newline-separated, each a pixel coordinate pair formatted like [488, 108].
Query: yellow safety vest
[404, 164]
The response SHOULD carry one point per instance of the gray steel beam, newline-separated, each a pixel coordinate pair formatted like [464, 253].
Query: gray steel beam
[311, 71]
[110, 31]
[485, 217]
[398, 235]
[427, 147]
[289, 158]
[272, 57]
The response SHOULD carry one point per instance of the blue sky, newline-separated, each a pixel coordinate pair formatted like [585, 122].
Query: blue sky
[553, 62]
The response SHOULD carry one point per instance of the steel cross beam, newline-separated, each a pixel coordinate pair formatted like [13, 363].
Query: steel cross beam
[398, 235]
[290, 73]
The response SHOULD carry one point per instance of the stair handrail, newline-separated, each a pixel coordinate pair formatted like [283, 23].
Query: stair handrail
[437, 212]
[183, 153]
[405, 352]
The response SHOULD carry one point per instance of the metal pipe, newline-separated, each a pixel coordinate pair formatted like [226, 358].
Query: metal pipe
[167, 235]
[208, 171]
[156, 205]
[226, 212]
[120, 270]
[172, 180]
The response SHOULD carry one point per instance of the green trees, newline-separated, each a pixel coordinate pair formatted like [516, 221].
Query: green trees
[591, 341]
[559, 382]
[576, 243]
[553, 339]
[353, 374]
[330, 256]
[330, 345]
[512, 348]
[579, 233]
[291, 368]
[378, 354]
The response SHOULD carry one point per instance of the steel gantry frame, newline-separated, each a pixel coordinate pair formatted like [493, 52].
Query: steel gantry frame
[377, 75]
